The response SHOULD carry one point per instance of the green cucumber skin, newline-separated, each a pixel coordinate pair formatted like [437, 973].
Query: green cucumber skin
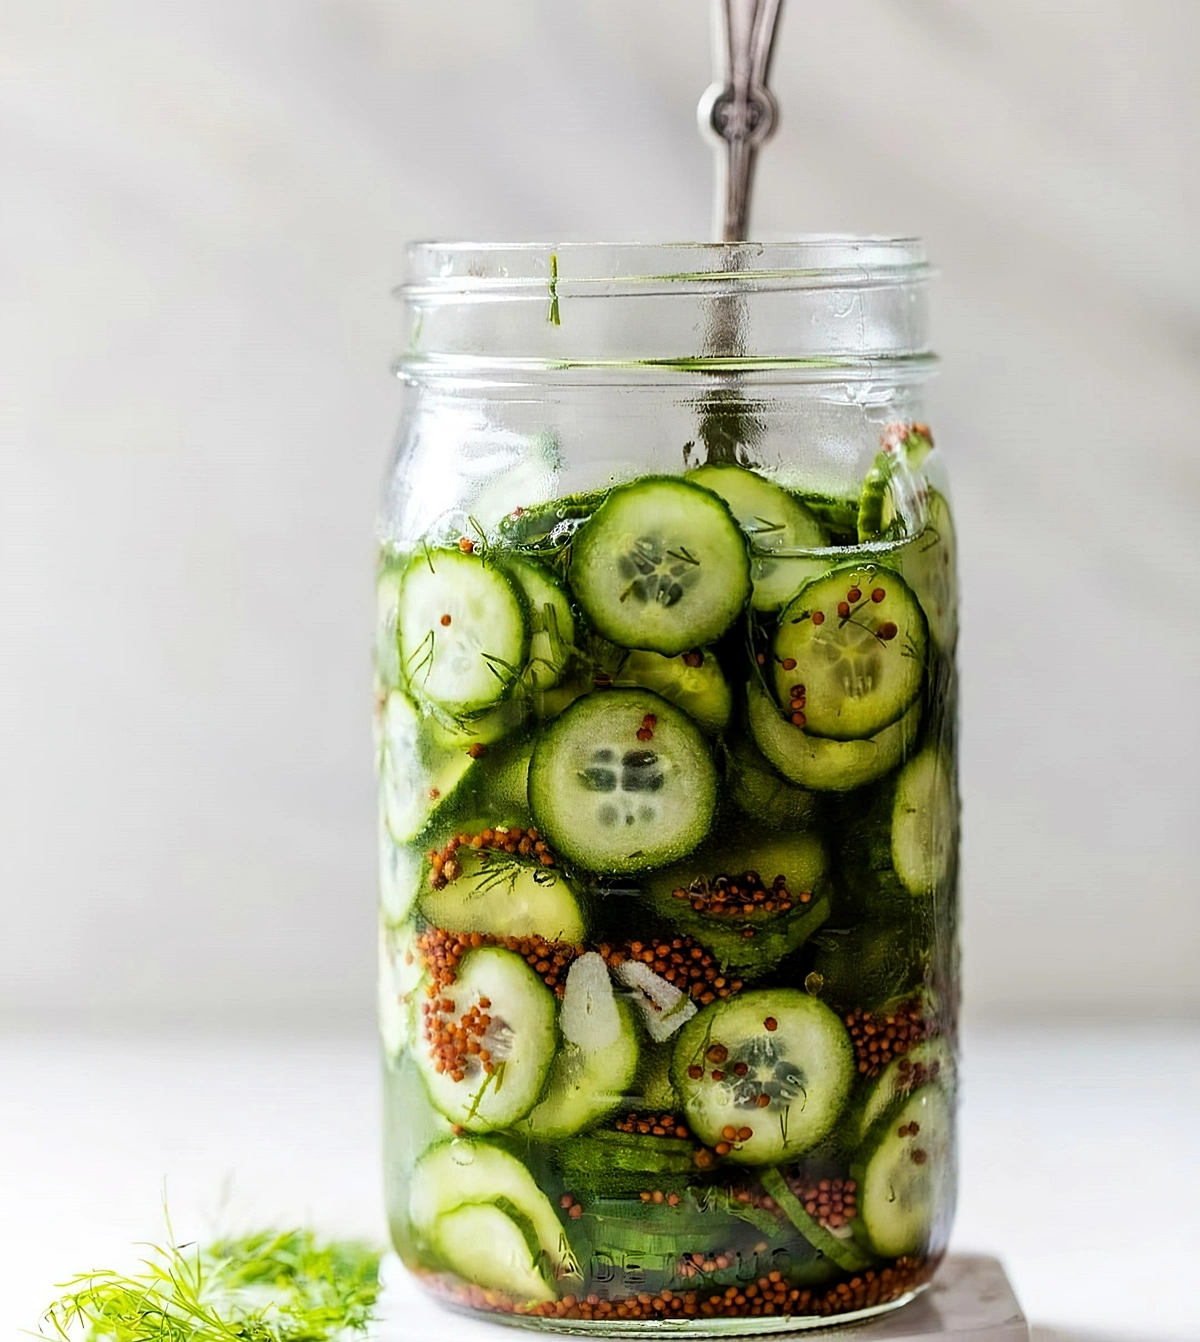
[845, 1254]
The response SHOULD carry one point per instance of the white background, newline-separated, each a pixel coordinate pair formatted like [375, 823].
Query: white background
[203, 206]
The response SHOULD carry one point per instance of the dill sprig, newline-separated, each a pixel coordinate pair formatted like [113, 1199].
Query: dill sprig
[273, 1286]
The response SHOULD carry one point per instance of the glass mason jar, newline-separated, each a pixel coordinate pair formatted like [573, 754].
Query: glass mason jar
[666, 711]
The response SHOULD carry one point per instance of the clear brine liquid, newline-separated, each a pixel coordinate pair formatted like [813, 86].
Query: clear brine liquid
[717, 1054]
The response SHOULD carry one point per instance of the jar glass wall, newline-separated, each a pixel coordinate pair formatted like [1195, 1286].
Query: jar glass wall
[666, 721]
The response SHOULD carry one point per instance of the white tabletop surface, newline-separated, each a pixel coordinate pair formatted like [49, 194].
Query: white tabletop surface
[1081, 1160]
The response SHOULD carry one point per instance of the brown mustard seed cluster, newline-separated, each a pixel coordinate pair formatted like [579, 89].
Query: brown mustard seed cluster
[697, 1264]
[653, 1125]
[831, 1202]
[657, 1196]
[916, 1074]
[738, 896]
[880, 1039]
[572, 1208]
[769, 1295]
[455, 1041]
[797, 696]
[441, 951]
[680, 961]
[884, 632]
[445, 865]
[646, 731]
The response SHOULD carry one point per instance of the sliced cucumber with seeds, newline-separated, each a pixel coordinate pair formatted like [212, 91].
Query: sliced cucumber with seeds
[849, 656]
[464, 634]
[692, 681]
[483, 1244]
[598, 1059]
[924, 821]
[413, 784]
[622, 781]
[516, 1029]
[771, 1065]
[905, 1176]
[661, 565]
[747, 943]
[758, 789]
[468, 1172]
[505, 896]
[773, 520]
[551, 624]
[820, 763]
[929, 565]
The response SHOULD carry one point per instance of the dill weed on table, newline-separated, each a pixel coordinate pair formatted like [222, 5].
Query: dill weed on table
[273, 1286]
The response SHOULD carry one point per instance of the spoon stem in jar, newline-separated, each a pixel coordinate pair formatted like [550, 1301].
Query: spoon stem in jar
[738, 112]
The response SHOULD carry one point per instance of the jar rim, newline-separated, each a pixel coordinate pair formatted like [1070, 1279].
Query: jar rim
[487, 271]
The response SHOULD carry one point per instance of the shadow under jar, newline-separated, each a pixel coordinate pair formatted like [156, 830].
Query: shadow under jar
[666, 720]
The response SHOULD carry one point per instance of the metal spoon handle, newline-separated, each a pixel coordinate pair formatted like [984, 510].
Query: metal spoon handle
[738, 111]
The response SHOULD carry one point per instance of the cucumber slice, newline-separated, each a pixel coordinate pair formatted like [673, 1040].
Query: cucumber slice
[505, 897]
[839, 516]
[513, 472]
[622, 781]
[598, 1059]
[400, 973]
[773, 520]
[661, 565]
[747, 944]
[850, 652]
[480, 1243]
[610, 1162]
[929, 565]
[822, 764]
[890, 500]
[464, 634]
[387, 637]
[692, 681]
[413, 785]
[866, 965]
[399, 877]
[773, 1042]
[481, 729]
[758, 789]
[546, 529]
[516, 1028]
[654, 1091]
[930, 1060]
[845, 1253]
[905, 1175]
[924, 821]
[551, 624]
[466, 1172]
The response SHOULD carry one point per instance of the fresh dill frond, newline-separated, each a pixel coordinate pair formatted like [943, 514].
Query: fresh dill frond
[273, 1286]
